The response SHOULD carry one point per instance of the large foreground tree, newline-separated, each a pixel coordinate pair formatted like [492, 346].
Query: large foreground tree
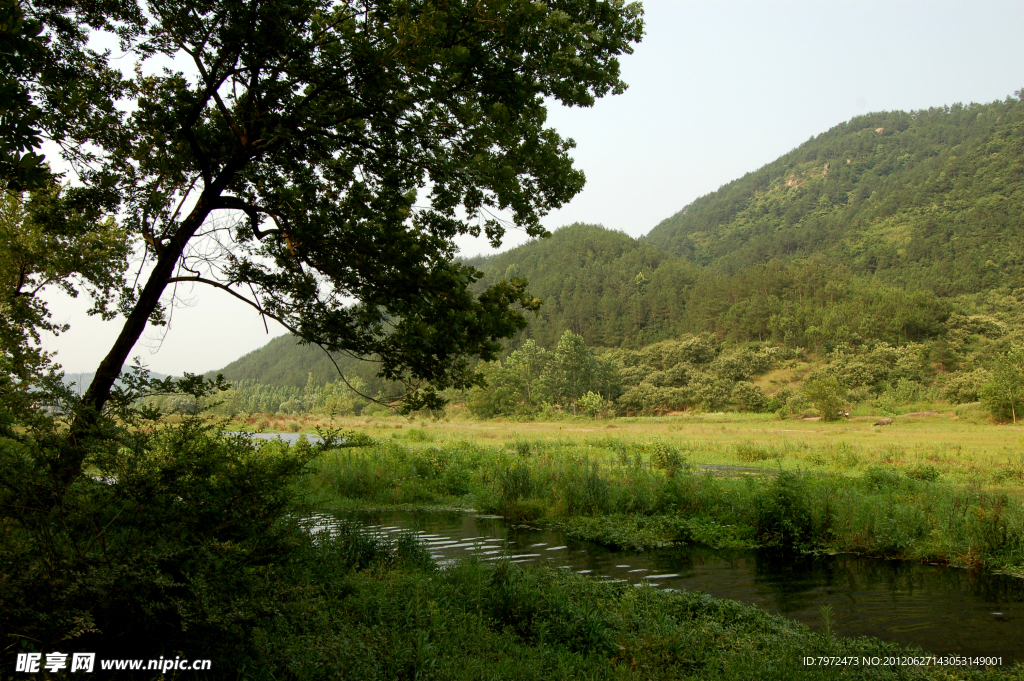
[316, 158]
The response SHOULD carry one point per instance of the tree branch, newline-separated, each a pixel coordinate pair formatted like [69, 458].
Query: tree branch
[235, 203]
[282, 322]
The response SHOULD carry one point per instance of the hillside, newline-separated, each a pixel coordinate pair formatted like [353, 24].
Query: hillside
[927, 199]
[616, 291]
[284, 362]
[604, 285]
[875, 231]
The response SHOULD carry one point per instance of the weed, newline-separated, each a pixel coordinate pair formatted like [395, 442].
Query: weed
[748, 451]
[419, 435]
[926, 472]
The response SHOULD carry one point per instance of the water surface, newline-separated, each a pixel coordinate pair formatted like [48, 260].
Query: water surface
[942, 610]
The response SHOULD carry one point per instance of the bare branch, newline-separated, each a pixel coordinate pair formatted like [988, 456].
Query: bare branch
[282, 322]
[235, 203]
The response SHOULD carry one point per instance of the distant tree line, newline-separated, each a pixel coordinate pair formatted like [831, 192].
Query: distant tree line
[971, 358]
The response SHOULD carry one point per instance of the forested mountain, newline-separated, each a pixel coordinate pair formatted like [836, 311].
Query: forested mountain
[620, 292]
[283, 362]
[606, 286]
[927, 199]
[875, 231]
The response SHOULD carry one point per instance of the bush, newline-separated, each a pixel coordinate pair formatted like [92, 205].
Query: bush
[828, 394]
[749, 397]
[965, 387]
[1003, 395]
[176, 540]
[782, 515]
[777, 402]
[666, 457]
[592, 404]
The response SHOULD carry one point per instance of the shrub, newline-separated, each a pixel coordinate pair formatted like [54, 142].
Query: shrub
[592, 404]
[965, 387]
[777, 402]
[828, 394]
[169, 544]
[782, 515]
[749, 397]
[1003, 395]
[666, 457]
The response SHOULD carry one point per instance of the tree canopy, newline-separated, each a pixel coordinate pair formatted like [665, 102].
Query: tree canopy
[316, 158]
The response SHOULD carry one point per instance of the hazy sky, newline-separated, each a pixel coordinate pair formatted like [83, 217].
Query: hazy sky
[717, 89]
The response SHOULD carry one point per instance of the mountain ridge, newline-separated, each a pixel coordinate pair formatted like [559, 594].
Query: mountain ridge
[875, 230]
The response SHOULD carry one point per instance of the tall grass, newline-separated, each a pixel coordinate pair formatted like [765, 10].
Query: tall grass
[646, 494]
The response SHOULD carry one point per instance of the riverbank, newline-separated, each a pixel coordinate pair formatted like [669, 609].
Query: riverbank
[642, 493]
[380, 612]
[943, 610]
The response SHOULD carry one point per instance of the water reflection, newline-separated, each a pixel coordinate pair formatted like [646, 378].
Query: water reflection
[945, 611]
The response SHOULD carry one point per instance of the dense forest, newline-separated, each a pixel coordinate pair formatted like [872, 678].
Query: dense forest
[893, 232]
[928, 199]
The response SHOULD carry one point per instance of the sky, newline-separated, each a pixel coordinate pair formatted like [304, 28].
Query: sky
[716, 90]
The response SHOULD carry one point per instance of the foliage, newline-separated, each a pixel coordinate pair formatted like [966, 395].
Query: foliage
[74, 252]
[667, 458]
[689, 372]
[828, 393]
[251, 397]
[639, 495]
[782, 514]
[1003, 394]
[21, 53]
[176, 538]
[923, 199]
[284, 164]
[51, 81]
[531, 377]
[474, 621]
[592, 404]
[965, 386]
[574, 371]
[847, 265]
[694, 372]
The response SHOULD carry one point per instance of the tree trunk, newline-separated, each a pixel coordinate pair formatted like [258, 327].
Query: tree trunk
[110, 368]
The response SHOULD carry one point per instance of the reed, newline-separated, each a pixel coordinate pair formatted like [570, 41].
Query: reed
[645, 494]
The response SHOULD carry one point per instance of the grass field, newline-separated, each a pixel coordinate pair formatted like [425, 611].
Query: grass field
[931, 488]
[935, 486]
[961, 446]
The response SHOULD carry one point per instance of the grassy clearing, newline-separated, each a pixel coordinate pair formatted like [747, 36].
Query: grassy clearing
[640, 490]
[965, 449]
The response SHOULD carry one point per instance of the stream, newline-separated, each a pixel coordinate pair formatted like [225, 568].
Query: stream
[945, 611]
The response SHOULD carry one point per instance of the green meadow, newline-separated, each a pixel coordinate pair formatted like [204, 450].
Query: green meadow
[935, 488]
